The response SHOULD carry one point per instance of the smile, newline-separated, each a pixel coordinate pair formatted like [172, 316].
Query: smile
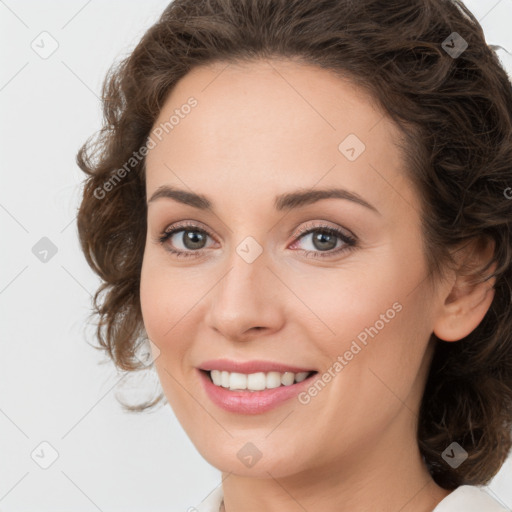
[256, 381]
[243, 400]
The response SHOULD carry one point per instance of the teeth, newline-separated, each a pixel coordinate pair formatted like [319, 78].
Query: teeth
[301, 376]
[288, 378]
[255, 381]
[258, 381]
[237, 381]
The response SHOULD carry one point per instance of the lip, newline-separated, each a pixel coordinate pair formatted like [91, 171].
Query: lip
[254, 366]
[250, 402]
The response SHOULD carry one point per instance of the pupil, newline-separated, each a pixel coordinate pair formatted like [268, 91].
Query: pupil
[324, 238]
[193, 239]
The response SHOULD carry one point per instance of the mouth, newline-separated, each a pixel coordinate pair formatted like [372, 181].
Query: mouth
[253, 393]
[258, 381]
[253, 386]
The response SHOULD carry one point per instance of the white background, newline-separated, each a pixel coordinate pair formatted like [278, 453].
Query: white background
[52, 387]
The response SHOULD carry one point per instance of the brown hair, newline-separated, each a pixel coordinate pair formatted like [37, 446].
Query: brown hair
[456, 115]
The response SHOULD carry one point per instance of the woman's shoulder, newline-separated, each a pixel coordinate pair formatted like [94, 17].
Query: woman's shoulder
[469, 498]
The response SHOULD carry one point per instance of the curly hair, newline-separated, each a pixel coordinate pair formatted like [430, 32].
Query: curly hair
[455, 111]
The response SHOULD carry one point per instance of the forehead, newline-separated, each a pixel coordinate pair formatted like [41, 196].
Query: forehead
[272, 122]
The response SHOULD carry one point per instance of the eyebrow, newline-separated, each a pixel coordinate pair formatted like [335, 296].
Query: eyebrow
[283, 202]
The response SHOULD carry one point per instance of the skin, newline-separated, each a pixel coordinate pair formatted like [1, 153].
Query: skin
[261, 129]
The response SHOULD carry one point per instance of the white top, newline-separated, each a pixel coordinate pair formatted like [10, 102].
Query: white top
[466, 498]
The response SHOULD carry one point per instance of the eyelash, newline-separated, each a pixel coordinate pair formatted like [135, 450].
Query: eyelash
[349, 241]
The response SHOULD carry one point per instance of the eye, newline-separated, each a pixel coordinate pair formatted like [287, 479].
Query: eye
[324, 241]
[189, 240]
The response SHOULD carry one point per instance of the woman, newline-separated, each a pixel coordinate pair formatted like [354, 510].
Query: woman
[305, 206]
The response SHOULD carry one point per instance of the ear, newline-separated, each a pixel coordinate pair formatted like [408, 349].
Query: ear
[469, 295]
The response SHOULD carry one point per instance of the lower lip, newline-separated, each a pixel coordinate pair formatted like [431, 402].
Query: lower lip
[251, 402]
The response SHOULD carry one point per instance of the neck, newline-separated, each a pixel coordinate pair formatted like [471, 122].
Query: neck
[392, 480]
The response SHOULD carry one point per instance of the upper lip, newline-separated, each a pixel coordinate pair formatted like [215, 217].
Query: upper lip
[253, 366]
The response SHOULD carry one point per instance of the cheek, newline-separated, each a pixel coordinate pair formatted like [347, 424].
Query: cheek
[151, 307]
[379, 329]
[156, 299]
[160, 314]
[169, 303]
[342, 302]
[374, 316]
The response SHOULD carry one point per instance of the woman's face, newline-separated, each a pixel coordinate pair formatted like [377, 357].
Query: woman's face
[261, 279]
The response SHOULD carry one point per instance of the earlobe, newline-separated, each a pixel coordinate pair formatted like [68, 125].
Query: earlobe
[467, 302]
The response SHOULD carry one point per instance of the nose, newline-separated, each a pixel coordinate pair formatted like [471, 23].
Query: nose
[246, 302]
